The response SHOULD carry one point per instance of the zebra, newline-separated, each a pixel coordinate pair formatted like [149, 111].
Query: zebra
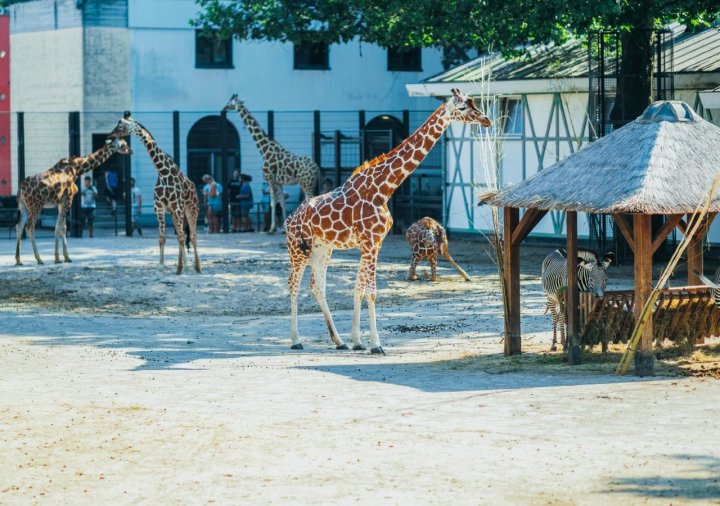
[591, 277]
[714, 285]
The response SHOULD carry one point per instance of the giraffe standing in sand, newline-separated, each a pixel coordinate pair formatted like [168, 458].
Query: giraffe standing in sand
[280, 166]
[427, 238]
[174, 192]
[356, 216]
[56, 187]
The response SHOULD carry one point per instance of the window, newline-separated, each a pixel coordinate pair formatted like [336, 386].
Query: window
[311, 56]
[212, 52]
[408, 59]
[513, 117]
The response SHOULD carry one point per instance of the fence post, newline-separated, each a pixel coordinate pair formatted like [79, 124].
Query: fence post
[271, 124]
[176, 136]
[316, 138]
[127, 196]
[224, 172]
[338, 157]
[20, 147]
[74, 150]
[361, 134]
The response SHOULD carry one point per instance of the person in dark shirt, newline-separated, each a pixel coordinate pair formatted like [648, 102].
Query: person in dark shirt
[246, 203]
[234, 192]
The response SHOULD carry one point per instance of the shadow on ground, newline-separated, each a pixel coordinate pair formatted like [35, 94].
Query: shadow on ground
[703, 483]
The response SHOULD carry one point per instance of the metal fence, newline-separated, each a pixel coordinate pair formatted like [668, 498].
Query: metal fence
[215, 143]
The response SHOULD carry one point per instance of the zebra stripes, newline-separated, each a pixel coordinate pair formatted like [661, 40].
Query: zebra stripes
[591, 277]
[715, 285]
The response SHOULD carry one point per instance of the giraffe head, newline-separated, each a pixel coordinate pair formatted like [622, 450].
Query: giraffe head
[233, 104]
[126, 126]
[118, 145]
[463, 108]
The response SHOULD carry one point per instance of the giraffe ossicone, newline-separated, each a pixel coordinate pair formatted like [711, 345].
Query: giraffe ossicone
[356, 216]
[56, 187]
[174, 192]
[280, 166]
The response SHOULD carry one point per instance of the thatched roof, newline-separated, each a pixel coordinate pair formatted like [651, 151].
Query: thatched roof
[664, 162]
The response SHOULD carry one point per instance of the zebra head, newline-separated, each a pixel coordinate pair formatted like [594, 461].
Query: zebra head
[592, 275]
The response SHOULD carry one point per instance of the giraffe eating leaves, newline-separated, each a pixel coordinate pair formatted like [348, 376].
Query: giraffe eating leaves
[280, 166]
[174, 192]
[56, 187]
[356, 216]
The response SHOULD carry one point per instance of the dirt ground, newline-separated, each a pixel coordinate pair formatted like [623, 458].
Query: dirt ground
[120, 384]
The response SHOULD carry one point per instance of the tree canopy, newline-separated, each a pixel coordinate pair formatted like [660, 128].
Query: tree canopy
[455, 26]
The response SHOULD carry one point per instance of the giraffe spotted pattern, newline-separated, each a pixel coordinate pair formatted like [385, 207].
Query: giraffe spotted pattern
[356, 216]
[56, 187]
[427, 239]
[280, 166]
[174, 193]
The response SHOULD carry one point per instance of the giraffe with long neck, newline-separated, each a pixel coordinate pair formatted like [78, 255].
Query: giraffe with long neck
[174, 192]
[356, 215]
[56, 187]
[280, 166]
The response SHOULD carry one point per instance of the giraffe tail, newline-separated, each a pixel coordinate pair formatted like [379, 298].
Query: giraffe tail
[446, 254]
[304, 246]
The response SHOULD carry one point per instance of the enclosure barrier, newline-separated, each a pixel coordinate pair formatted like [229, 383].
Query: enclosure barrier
[682, 315]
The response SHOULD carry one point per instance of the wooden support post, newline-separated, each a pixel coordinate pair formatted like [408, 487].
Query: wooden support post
[642, 232]
[511, 217]
[695, 256]
[573, 295]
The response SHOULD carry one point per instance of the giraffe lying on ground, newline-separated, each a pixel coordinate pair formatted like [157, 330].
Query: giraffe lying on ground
[356, 216]
[427, 238]
[56, 187]
[174, 192]
[280, 166]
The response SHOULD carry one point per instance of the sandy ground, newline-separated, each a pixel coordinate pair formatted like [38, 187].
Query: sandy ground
[120, 384]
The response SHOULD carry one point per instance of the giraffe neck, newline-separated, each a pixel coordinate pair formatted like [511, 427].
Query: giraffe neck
[82, 165]
[162, 161]
[387, 172]
[262, 140]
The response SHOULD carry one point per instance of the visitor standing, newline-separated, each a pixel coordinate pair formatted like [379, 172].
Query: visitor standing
[87, 205]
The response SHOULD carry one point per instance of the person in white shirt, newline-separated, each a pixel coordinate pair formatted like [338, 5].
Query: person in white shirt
[136, 206]
[88, 195]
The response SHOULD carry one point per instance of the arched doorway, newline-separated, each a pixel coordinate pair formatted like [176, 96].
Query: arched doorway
[380, 135]
[205, 148]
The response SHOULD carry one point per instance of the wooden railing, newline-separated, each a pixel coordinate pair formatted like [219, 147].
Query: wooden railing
[684, 314]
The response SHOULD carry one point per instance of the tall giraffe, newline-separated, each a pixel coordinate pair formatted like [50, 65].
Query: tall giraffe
[356, 215]
[174, 192]
[280, 166]
[56, 187]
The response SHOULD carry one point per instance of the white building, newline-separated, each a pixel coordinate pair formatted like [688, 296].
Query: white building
[546, 113]
[103, 57]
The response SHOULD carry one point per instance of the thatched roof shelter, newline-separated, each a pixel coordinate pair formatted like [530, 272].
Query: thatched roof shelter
[663, 163]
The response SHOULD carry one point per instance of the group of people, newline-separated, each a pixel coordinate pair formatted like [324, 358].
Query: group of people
[240, 198]
[241, 203]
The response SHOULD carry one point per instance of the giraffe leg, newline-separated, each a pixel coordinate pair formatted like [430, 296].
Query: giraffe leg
[298, 263]
[60, 226]
[370, 296]
[433, 267]
[63, 235]
[160, 215]
[412, 275]
[178, 217]
[320, 258]
[192, 225]
[30, 231]
[19, 226]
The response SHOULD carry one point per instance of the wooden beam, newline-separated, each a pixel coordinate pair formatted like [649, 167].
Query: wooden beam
[573, 295]
[670, 224]
[643, 286]
[625, 230]
[528, 222]
[511, 261]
